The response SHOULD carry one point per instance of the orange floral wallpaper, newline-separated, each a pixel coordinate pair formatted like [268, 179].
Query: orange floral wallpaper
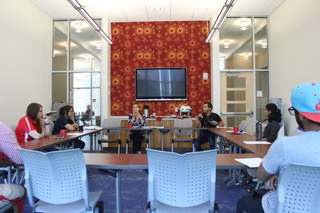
[159, 44]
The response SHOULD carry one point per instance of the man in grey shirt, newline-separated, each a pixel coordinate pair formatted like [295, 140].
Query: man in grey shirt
[305, 100]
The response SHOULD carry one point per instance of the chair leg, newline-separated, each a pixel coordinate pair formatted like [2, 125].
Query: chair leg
[127, 147]
[119, 147]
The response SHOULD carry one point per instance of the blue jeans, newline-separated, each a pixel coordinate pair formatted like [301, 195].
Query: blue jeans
[206, 136]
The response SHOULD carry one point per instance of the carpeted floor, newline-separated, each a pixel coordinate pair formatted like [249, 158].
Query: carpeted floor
[134, 191]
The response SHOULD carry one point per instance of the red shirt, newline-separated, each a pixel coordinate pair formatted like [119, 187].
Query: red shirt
[25, 125]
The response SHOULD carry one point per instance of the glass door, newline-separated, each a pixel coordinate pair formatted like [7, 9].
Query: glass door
[84, 91]
[237, 98]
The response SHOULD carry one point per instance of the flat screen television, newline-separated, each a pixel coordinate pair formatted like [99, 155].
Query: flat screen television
[161, 84]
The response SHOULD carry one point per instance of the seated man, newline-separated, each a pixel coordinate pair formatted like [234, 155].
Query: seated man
[207, 119]
[12, 193]
[87, 115]
[8, 144]
[287, 150]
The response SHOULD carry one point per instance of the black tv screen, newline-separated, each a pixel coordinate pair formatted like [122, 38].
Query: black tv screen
[154, 84]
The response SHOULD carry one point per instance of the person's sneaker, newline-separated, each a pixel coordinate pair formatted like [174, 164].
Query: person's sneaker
[139, 152]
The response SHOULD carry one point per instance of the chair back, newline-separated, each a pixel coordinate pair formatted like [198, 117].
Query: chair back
[182, 123]
[281, 131]
[182, 180]
[57, 177]
[299, 189]
[243, 125]
[111, 122]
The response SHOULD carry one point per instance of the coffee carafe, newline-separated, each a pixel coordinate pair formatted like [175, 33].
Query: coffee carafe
[146, 110]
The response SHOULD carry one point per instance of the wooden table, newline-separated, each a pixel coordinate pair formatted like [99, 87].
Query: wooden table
[51, 140]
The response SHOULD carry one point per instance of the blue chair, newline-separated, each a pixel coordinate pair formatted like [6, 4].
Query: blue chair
[111, 122]
[182, 183]
[299, 189]
[188, 135]
[59, 180]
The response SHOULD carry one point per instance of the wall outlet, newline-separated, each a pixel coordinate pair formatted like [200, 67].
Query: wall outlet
[205, 76]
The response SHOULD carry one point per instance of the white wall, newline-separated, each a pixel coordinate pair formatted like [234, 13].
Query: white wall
[25, 59]
[294, 33]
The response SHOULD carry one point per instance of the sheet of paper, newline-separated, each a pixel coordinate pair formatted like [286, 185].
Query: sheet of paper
[229, 131]
[74, 133]
[256, 142]
[92, 127]
[251, 162]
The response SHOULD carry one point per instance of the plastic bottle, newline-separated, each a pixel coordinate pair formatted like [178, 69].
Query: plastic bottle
[259, 130]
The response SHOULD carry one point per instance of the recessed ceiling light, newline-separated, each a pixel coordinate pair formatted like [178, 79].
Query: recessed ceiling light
[226, 44]
[78, 27]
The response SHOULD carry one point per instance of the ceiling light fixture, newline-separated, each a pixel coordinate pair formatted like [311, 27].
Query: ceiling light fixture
[226, 44]
[98, 45]
[244, 25]
[78, 27]
[77, 6]
[221, 17]
[264, 44]
[246, 56]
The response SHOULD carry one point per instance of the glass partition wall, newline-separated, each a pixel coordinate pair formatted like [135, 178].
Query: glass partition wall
[244, 70]
[76, 65]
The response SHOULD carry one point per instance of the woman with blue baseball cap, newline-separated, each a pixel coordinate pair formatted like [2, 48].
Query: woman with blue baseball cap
[305, 100]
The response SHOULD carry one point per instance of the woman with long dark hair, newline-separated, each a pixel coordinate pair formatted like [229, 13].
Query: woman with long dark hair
[65, 121]
[272, 123]
[33, 125]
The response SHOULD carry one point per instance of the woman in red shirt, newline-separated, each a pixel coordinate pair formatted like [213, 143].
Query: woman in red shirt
[33, 125]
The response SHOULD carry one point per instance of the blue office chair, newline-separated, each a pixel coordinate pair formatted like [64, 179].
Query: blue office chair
[183, 136]
[182, 183]
[299, 189]
[111, 122]
[57, 182]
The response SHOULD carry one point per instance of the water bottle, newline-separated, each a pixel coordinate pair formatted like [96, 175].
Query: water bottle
[259, 130]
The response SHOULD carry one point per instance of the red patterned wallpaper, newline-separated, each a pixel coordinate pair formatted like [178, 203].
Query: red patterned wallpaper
[159, 44]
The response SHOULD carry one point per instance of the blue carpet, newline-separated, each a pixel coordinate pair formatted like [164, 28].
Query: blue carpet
[134, 191]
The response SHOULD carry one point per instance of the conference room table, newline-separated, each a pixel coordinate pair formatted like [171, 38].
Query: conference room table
[52, 140]
[149, 129]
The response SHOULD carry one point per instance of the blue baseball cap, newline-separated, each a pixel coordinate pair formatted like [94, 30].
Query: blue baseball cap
[306, 99]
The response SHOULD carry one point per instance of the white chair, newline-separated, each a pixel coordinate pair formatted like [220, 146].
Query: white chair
[111, 122]
[299, 189]
[59, 180]
[243, 125]
[182, 183]
[183, 133]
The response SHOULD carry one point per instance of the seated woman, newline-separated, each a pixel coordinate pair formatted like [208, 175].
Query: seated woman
[34, 125]
[66, 113]
[137, 120]
[270, 129]
[271, 125]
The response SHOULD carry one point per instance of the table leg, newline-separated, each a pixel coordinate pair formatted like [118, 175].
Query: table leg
[163, 132]
[91, 142]
[118, 191]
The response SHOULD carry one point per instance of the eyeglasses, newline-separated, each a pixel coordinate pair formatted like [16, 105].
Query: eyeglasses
[291, 111]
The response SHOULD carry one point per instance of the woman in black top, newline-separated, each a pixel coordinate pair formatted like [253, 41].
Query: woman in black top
[272, 123]
[65, 121]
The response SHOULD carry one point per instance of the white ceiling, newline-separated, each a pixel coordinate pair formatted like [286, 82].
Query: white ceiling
[143, 10]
